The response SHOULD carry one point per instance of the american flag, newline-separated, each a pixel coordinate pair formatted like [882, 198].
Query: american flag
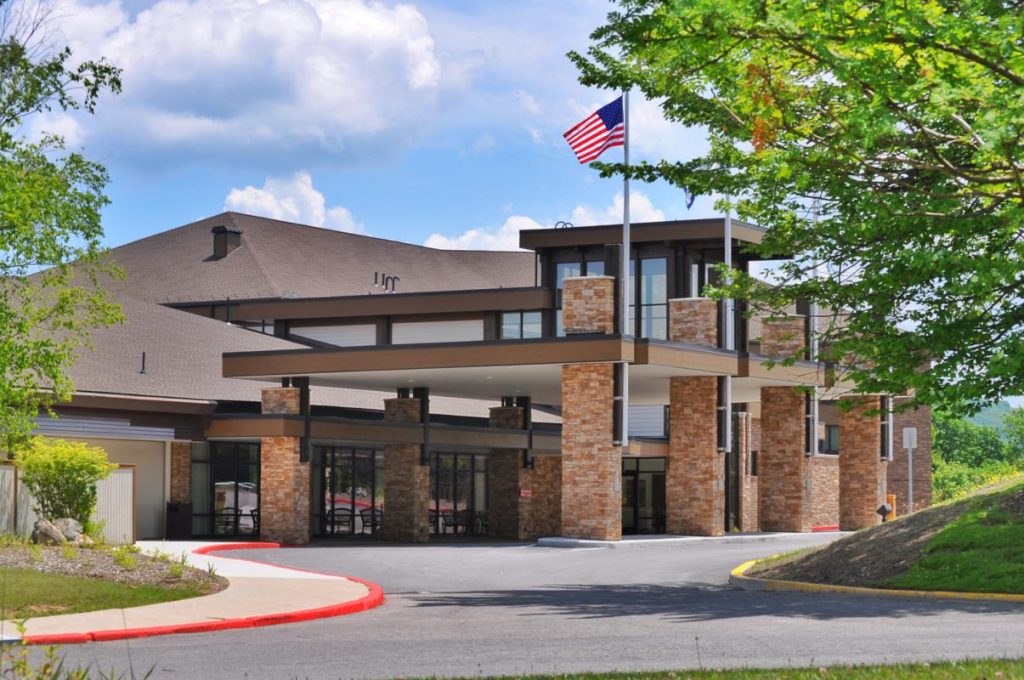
[600, 130]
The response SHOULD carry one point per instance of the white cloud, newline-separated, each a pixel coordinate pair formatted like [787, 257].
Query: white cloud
[294, 199]
[505, 237]
[56, 123]
[528, 102]
[261, 77]
[640, 210]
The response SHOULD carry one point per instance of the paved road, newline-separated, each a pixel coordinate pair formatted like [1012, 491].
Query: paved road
[482, 610]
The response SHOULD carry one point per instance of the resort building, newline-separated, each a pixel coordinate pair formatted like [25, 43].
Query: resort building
[298, 383]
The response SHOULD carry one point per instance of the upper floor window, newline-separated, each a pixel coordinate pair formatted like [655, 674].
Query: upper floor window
[830, 442]
[520, 325]
[651, 293]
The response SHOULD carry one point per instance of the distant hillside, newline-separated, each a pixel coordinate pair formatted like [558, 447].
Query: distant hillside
[992, 416]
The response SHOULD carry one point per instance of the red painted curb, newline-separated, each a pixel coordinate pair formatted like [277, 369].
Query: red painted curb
[373, 599]
[827, 527]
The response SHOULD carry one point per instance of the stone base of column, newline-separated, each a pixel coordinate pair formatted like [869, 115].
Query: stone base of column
[406, 495]
[514, 516]
[591, 465]
[782, 467]
[284, 492]
[695, 476]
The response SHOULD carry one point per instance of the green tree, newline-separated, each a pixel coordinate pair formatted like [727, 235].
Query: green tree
[50, 227]
[880, 140]
[62, 476]
[957, 440]
[1013, 423]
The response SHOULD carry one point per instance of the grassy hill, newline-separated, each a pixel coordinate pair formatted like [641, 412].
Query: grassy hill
[974, 544]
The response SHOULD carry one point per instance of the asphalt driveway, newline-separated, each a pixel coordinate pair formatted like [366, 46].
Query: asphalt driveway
[478, 609]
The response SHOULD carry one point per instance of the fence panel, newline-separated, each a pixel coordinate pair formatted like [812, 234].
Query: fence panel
[115, 503]
[6, 498]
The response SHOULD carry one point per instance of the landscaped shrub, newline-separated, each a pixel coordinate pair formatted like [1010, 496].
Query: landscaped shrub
[951, 480]
[62, 476]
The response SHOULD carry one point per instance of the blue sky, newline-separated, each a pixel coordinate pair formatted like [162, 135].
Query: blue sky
[431, 122]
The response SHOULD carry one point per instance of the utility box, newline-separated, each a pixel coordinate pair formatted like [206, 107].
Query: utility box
[179, 522]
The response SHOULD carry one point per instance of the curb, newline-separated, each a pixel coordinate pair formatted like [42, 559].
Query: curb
[561, 542]
[373, 599]
[739, 580]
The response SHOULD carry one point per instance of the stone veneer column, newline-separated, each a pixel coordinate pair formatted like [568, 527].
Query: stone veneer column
[406, 482]
[588, 304]
[693, 320]
[284, 481]
[505, 508]
[591, 465]
[181, 472]
[695, 477]
[782, 465]
[861, 468]
[783, 336]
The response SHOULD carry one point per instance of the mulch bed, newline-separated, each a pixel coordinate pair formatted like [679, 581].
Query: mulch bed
[100, 563]
[867, 558]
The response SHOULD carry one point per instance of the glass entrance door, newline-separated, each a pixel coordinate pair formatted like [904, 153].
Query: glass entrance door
[349, 491]
[643, 495]
[458, 482]
[235, 482]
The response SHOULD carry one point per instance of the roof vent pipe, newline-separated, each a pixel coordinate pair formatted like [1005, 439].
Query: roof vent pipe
[225, 240]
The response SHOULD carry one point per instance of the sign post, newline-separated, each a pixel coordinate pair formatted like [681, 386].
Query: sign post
[910, 443]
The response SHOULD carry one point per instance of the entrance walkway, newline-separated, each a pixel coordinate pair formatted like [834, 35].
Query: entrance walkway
[258, 594]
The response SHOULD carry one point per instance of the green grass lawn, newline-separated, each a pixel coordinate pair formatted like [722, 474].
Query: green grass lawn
[25, 593]
[937, 671]
[964, 670]
[982, 551]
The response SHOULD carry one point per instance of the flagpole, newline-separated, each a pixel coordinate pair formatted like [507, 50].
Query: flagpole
[624, 311]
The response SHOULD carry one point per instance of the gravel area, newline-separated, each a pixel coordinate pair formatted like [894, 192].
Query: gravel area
[119, 565]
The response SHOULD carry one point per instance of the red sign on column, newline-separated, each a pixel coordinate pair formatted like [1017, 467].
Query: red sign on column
[526, 493]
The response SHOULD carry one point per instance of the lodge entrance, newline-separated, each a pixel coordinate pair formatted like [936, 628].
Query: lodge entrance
[348, 492]
[643, 495]
[458, 482]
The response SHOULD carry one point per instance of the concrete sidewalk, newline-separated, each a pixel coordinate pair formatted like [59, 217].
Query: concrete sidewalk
[258, 595]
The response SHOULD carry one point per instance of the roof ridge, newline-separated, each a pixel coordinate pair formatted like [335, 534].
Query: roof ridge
[253, 251]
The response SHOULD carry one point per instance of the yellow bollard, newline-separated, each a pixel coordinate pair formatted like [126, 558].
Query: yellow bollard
[891, 500]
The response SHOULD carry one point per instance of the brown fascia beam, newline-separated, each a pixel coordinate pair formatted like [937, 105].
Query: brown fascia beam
[677, 230]
[391, 304]
[129, 402]
[577, 349]
[382, 433]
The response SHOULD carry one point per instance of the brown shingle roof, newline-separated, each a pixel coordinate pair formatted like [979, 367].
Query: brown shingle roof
[283, 259]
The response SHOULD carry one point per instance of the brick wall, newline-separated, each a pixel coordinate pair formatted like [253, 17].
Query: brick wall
[505, 478]
[280, 400]
[824, 491]
[695, 477]
[284, 491]
[783, 336]
[861, 470]
[588, 304]
[542, 513]
[284, 481]
[591, 466]
[748, 482]
[896, 474]
[693, 320]
[406, 482]
[181, 472]
[782, 494]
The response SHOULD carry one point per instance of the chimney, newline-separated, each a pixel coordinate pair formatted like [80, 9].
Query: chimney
[225, 240]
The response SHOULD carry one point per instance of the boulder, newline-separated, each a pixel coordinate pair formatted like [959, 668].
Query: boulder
[71, 528]
[45, 533]
[83, 541]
